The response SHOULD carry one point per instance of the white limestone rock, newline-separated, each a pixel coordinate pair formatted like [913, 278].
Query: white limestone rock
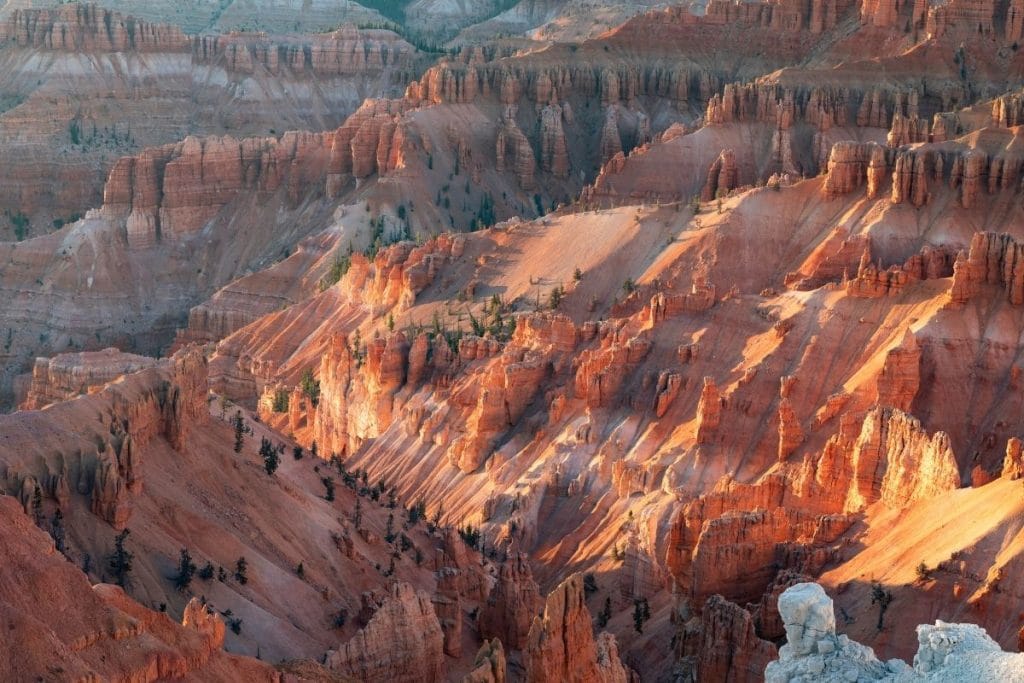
[947, 653]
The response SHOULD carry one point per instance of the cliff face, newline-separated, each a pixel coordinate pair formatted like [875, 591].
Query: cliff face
[167, 193]
[80, 28]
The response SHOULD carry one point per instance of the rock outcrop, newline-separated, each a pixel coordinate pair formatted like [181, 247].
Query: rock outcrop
[403, 641]
[895, 460]
[561, 645]
[994, 260]
[722, 645]
[69, 375]
[946, 652]
[723, 176]
[513, 603]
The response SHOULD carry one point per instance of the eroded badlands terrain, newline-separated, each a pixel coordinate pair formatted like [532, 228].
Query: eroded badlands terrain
[559, 344]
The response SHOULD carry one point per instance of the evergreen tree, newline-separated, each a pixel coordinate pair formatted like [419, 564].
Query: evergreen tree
[37, 505]
[301, 571]
[389, 534]
[357, 515]
[312, 449]
[641, 613]
[186, 570]
[881, 597]
[240, 568]
[239, 424]
[329, 486]
[605, 615]
[297, 452]
[57, 532]
[270, 456]
[120, 561]
[206, 573]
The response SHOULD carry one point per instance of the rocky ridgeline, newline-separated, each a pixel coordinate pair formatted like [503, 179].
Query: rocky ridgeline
[165, 401]
[68, 375]
[946, 652]
[958, 17]
[346, 51]
[88, 28]
[166, 194]
[83, 28]
[911, 174]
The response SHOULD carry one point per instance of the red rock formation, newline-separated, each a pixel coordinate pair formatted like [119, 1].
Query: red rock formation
[722, 176]
[992, 259]
[513, 142]
[709, 411]
[83, 28]
[490, 665]
[346, 51]
[69, 375]
[896, 461]
[512, 604]
[900, 378]
[907, 130]
[1013, 463]
[554, 152]
[611, 140]
[910, 177]
[403, 641]
[791, 434]
[734, 554]
[723, 645]
[848, 166]
[972, 17]
[165, 193]
[561, 645]
[448, 608]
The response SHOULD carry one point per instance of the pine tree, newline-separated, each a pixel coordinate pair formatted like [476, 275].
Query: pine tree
[605, 615]
[37, 506]
[270, 456]
[300, 571]
[239, 431]
[881, 597]
[297, 452]
[186, 570]
[389, 534]
[120, 561]
[240, 568]
[312, 449]
[206, 573]
[357, 515]
[57, 532]
[329, 486]
[641, 613]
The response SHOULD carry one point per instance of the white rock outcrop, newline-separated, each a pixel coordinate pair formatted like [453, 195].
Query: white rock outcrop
[947, 653]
